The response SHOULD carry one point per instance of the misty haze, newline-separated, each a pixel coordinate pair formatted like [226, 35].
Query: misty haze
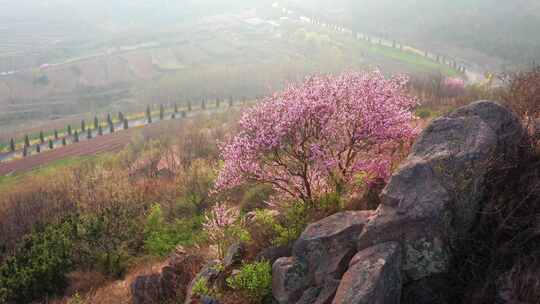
[266, 151]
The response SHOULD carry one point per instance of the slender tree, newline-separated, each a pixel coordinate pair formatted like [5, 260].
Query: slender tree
[12, 145]
[149, 114]
[111, 128]
[38, 148]
[203, 104]
[51, 144]
[76, 137]
[120, 116]
[64, 142]
[126, 124]
[161, 112]
[26, 141]
[96, 122]
[109, 119]
[88, 133]
[69, 130]
[41, 137]
[100, 130]
[25, 151]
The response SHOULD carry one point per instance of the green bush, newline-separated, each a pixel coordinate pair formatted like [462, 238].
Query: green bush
[255, 280]
[200, 288]
[293, 224]
[255, 197]
[279, 231]
[108, 239]
[39, 267]
[160, 237]
[423, 113]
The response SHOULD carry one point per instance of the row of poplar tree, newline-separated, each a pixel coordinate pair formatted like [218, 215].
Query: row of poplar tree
[75, 134]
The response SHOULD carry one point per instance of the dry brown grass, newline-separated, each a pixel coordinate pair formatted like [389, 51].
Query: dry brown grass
[93, 288]
[522, 94]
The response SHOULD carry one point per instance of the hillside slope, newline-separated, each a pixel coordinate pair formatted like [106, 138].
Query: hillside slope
[502, 29]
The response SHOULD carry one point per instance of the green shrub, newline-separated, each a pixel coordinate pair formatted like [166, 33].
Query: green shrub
[294, 223]
[255, 197]
[39, 266]
[423, 113]
[255, 280]
[160, 237]
[268, 229]
[108, 239]
[200, 288]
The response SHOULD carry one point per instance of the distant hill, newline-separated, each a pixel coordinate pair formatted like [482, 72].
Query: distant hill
[507, 30]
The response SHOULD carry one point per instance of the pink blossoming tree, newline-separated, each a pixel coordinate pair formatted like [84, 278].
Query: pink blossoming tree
[319, 136]
[221, 225]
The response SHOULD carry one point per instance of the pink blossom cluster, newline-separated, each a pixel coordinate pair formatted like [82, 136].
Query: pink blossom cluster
[312, 138]
[219, 218]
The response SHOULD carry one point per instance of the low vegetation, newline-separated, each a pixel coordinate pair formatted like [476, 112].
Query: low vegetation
[294, 158]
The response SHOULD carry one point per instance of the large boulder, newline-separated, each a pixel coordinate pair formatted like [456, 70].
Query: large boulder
[328, 245]
[145, 289]
[234, 256]
[432, 201]
[289, 279]
[323, 250]
[373, 277]
[429, 205]
[177, 275]
[210, 272]
[271, 254]
[171, 283]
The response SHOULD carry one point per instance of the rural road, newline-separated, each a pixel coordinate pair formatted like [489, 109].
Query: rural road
[100, 144]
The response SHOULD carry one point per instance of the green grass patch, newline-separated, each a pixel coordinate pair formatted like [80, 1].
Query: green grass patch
[407, 57]
[47, 170]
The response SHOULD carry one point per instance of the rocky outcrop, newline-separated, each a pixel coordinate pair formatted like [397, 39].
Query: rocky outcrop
[431, 202]
[234, 256]
[171, 283]
[374, 276]
[210, 272]
[145, 289]
[429, 205]
[327, 246]
[289, 279]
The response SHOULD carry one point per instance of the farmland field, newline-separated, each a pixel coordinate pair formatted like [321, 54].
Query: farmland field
[210, 56]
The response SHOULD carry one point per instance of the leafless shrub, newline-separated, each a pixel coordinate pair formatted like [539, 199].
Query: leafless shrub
[522, 93]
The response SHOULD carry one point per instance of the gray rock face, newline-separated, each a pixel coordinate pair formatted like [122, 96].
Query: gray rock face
[210, 272]
[433, 199]
[234, 255]
[322, 253]
[273, 253]
[428, 206]
[289, 279]
[145, 289]
[328, 245]
[170, 283]
[373, 277]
